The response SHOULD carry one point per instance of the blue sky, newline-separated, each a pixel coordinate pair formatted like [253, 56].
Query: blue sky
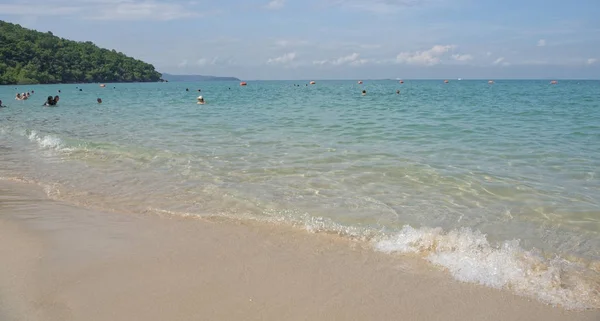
[335, 39]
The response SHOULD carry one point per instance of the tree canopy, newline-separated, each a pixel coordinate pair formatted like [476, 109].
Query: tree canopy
[32, 57]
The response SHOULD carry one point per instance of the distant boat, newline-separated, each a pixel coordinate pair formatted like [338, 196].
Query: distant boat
[459, 78]
[446, 81]
[312, 82]
[243, 83]
[554, 82]
[360, 82]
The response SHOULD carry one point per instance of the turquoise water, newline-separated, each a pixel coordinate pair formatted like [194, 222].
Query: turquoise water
[486, 164]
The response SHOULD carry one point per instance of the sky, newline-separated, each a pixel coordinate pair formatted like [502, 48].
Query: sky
[334, 39]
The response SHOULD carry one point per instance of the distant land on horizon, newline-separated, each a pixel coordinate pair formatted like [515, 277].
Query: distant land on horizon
[186, 78]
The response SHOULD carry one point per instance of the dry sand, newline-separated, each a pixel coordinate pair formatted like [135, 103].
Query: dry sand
[59, 262]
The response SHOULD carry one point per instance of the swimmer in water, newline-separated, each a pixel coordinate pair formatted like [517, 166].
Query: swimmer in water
[18, 97]
[49, 102]
[364, 92]
[187, 89]
[397, 92]
[99, 100]
[1, 106]
[201, 100]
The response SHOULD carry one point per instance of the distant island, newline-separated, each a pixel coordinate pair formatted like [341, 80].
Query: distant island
[190, 78]
[33, 57]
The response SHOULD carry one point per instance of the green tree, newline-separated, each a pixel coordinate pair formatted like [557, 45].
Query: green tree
[32, 57]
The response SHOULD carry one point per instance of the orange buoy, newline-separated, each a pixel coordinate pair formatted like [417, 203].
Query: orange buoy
[243, 83]
[554, 82]
[312, 82]
[360, 82]
[445, 81]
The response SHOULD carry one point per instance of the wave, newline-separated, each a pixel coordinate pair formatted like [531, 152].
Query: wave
[48, 141]
[466, 254]
[469, 257]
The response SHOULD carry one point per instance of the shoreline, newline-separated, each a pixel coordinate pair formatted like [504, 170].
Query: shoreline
[81, 264]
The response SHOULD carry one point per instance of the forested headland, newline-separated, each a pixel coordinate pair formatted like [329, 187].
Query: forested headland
[32, 57]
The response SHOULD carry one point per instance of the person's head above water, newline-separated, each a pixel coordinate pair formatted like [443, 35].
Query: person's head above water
[99, 100]
[200, 100]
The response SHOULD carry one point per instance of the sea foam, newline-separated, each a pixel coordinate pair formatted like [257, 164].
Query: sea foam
[47, 141]
[469, 257]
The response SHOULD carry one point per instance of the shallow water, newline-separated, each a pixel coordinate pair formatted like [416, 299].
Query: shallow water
[488, 164]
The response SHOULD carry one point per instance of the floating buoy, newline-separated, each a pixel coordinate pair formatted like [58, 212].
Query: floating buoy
[554, 82]
[360, 82]
[490, 82]
[243, 83]
[102, 85]
[445, 81]
[312, 82]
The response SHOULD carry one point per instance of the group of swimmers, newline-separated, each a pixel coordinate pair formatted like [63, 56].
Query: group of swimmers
[50, 101]
[23, 96]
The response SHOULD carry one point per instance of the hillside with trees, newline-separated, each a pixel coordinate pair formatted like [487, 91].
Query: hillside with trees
[32, 57]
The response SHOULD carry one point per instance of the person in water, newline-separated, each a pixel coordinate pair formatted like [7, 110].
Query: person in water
[1, 106]
[99, 100]
[201, 100]
[364, 92]
[398, 92]
[51, 101]
[18, 97]
[187, 89]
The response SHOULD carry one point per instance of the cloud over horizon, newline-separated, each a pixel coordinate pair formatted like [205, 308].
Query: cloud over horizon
[287, 39]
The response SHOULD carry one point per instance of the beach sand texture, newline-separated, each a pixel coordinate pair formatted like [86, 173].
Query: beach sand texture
[62, 263]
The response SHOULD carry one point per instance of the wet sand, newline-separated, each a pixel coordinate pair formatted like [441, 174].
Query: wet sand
[59, 262]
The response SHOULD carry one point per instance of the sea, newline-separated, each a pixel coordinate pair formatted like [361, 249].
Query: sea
[497, 183]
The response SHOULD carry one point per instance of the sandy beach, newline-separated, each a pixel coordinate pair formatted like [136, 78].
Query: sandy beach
[61, 262]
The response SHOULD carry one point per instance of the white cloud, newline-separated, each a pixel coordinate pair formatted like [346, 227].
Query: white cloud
[541, 43]
[489, 53]
[182, 64]
[465, 57]
[591, 61]
[346, 59]
[429, 57]
[498, 61]
[286, 58]
[352, 60]
[202, 62]
[275, 4]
